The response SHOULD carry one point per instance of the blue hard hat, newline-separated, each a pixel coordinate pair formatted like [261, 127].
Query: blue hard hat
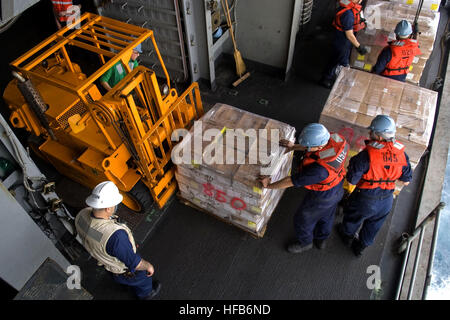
[403, 29]
[383, 125]
[138, 48]
[314, 135]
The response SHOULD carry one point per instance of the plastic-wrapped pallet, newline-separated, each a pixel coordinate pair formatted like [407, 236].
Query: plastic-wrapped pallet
[218, 163]
[428, 5]
[382, 17]
[357, 97]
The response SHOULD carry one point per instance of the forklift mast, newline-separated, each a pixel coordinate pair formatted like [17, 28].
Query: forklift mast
[124, 135]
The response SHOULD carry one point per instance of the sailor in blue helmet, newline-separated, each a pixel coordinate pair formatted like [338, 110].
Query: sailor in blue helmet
[395, 60]
[321, 173]
[371, 175]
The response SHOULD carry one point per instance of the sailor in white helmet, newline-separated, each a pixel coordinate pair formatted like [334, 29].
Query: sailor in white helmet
[112, 244]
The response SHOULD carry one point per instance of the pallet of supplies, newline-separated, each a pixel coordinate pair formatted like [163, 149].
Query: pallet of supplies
[382, 17]
[427, 5]
[219, 160]
[357, 97]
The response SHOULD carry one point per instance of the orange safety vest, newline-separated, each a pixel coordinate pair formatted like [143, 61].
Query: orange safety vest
[332, 157]
[386, 162]
[59, 6]
[403, 53]
[346, 5]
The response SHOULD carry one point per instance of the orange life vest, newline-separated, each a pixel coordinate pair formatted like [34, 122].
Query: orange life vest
[332, 157]
[386, 162]
[403, 53]
[356, 9]
[60, 6]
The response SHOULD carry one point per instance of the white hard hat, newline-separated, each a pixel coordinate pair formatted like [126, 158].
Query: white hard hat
[105, 195]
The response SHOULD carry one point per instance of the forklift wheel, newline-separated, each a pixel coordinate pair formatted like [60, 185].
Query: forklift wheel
[139, 198]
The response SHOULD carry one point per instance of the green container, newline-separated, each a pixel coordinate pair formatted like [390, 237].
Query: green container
[6, 168]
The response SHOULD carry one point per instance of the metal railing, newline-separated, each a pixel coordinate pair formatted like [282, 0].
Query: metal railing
[406, 244]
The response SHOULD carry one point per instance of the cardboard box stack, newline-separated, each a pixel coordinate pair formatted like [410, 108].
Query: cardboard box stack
[357, 97]
[382, 17]
[224, 183]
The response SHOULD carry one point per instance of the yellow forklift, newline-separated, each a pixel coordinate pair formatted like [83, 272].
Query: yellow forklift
[123, 135]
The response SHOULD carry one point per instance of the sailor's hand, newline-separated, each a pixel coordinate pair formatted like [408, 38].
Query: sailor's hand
[287, 144]
[265, 180]
[150, 270]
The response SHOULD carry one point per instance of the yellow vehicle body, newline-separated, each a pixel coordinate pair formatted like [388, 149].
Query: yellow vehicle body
[124, 135]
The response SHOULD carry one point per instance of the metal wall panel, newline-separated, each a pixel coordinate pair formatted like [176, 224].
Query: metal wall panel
[163, 17]
[10, 9]
[264, 30]
[23, 245]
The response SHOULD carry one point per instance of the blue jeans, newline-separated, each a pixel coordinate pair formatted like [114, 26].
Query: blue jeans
[368, 213]
[141, 284]
[401, 77]
[342, 49]
[314, 218]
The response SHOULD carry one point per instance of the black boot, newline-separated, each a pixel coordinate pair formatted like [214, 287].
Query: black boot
[320, 244]
[155, 291]
[297, 247]
[346, 239]
[357, 247]
[327, 83]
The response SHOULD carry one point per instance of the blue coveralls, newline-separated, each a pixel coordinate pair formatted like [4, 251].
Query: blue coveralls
[119, 246]
[368, 207]
[315, 216]
[342, 47]
[383, 59]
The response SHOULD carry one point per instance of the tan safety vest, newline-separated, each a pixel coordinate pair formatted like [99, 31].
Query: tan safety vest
[95, 234]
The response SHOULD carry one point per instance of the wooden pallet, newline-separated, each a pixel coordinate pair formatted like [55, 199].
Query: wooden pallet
[259, 234]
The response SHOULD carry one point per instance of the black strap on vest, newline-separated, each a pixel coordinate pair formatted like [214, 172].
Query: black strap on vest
[339, 175]
[378, 181]
[398, 69]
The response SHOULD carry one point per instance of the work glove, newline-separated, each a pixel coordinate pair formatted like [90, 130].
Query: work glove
[348, 187]
[348, 190]
[361, 50]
